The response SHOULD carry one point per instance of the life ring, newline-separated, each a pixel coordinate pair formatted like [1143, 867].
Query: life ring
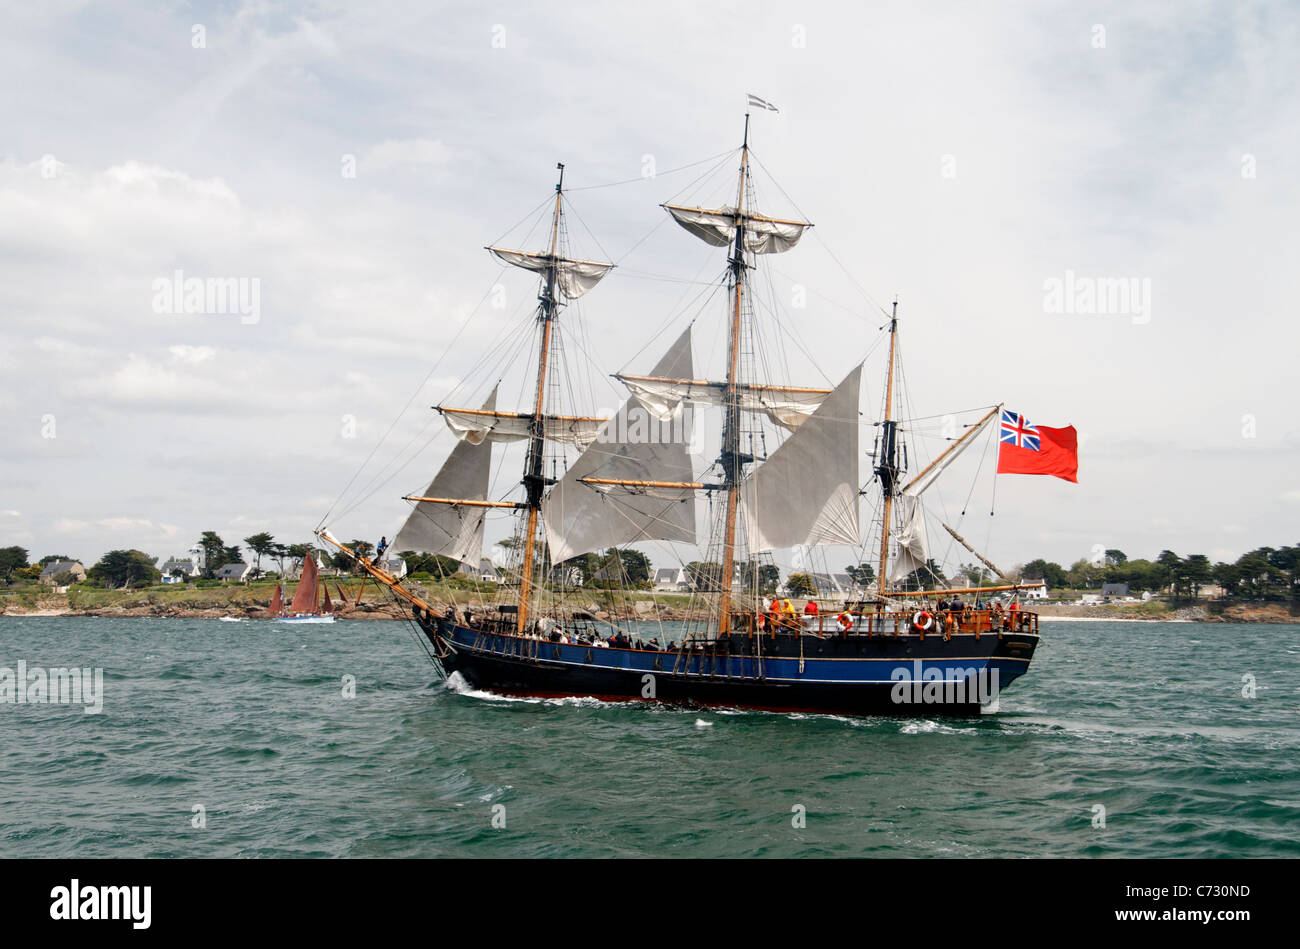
[845, 621]
[922, 621]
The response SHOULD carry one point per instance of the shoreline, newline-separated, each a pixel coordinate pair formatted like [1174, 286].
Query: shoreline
[1272, 614]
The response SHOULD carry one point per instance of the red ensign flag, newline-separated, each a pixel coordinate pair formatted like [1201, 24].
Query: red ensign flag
[1037, 449]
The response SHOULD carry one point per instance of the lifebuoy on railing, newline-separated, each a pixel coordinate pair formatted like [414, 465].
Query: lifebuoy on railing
[845, 620]
[922, 621]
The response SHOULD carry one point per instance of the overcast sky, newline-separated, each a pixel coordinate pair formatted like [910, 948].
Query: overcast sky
[957, 155]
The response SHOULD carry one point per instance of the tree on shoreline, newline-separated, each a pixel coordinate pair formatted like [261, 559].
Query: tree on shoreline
[1263, 573]
[862, 574]
[261, 545]
[123, 569]
[704, 576]
[341, 561]
[800, 585]
[435, 565]
[11, 559]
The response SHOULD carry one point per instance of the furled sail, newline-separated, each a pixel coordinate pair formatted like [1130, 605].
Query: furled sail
[573, 277]
[632, 446]
[807, 491]
[784, 405]
[447, 529]
[478, 425]
[717, 226]
[305, 596]
[913, 550]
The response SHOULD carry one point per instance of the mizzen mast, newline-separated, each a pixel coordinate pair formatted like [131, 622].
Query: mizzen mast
[887, 468]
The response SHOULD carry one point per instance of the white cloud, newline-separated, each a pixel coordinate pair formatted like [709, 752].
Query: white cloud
[419, 151]
[191, 354]
[142, 383]
[226, 162]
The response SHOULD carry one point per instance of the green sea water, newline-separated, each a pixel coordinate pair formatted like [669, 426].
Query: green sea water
[247, 726]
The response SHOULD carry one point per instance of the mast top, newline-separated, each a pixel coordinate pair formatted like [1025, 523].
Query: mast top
[559, 185]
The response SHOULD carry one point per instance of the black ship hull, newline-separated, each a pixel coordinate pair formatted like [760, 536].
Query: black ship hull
[852, 674]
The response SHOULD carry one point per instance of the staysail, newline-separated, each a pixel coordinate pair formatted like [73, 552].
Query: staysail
[573, 277]
[913, 551]
[451, 530]
[807, 491]
[632, 446]
[305, 595]
[277, 601]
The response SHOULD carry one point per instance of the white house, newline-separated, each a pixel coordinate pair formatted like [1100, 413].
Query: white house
[486, 573]
[173, 565]
[671, 580]
[394, 565]
[1035, 593]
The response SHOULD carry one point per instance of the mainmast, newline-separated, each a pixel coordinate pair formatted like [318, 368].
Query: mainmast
[887, 469]
[534, 479]
[733, 461]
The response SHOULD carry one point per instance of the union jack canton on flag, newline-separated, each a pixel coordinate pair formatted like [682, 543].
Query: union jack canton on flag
[1017, 431]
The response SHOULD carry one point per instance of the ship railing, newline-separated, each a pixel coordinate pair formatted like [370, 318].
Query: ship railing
[884, 622]
[895, 623]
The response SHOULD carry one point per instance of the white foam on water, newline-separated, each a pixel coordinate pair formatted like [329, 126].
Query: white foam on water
[701, 723]
[580, 701]
[456, 683]
[930, 726]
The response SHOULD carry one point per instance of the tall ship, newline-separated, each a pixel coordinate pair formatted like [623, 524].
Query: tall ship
[782, 471]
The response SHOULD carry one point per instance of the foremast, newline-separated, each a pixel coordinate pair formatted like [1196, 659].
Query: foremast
[442, 522]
